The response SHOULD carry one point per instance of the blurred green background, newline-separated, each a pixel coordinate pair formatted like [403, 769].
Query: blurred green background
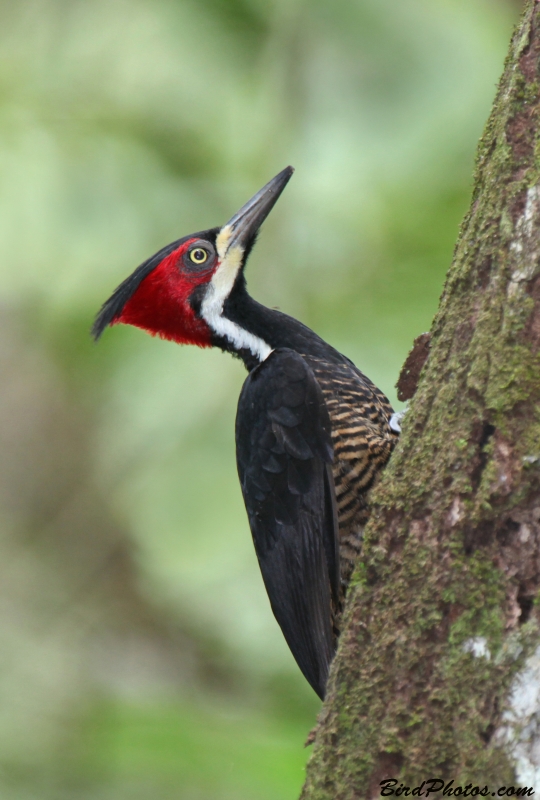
[138, 654]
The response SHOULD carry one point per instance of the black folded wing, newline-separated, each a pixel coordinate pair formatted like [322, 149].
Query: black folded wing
[284, 454]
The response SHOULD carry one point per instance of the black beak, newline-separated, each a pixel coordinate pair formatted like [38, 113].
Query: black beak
[241, 229]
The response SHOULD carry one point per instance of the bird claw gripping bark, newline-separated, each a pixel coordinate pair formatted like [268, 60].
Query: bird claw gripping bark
[396, 420]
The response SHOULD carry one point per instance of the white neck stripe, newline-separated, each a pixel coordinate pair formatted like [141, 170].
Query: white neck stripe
[219, 290]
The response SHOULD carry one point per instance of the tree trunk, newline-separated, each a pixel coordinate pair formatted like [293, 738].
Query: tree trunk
[437, 674]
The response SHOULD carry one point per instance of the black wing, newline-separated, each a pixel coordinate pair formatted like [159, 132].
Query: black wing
[284, 454]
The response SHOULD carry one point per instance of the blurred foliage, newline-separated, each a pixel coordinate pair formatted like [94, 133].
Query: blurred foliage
[139, 654]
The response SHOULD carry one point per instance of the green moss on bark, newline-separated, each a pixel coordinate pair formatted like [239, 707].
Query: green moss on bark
[441, 613]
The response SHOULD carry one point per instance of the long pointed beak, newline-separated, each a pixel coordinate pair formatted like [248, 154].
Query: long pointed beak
[241, 228]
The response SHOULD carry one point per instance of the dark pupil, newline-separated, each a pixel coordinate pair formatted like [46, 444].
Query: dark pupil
[199, 255]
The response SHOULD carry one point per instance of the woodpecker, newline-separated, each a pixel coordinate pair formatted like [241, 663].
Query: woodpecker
[312, 431]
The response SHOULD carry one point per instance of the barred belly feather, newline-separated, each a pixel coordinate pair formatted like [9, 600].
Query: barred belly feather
[363, 442]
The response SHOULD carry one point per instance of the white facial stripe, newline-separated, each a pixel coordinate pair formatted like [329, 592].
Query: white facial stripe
[222, 241]
[219, 289]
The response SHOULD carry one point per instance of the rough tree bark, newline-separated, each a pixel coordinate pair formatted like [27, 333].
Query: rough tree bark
[438, 669]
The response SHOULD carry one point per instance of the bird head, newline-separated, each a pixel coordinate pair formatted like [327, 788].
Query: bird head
[180, 291]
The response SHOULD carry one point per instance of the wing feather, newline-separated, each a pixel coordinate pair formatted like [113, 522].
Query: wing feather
[284, 455]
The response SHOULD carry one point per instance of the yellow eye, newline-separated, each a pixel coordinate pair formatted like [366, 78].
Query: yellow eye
[198, 255]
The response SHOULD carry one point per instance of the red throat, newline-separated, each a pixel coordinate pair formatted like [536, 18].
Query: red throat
[160, 305]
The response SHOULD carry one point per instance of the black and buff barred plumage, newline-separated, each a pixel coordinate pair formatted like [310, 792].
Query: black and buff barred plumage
[312, 432]
[362, 439]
